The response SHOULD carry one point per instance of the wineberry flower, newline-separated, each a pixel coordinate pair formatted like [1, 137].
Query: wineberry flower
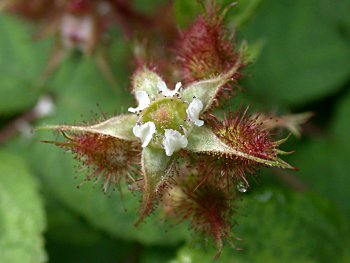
[166, 117]
[166, 122]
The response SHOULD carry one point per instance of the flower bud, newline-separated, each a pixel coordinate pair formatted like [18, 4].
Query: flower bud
[110, 159]
[204, 50]
[208, 209]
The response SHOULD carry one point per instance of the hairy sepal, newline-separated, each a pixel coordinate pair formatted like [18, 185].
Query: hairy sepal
[119, 127]
[146, 80]
[156, 169]
[203, 140]
[207, 90]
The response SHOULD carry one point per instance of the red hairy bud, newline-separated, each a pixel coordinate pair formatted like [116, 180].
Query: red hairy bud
[245, 134]
[205, 51]
[208, 208]
[110, 159]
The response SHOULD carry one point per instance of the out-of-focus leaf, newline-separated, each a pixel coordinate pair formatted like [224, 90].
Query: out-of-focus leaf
[79, 86]
[70, 239]
[157, 254]
[238, 16]
[186, 12]
[341, 124]
[149, 6]
[280, 227]
[66, 227]
[244, 12]
[21, 63]
[324, 166]
[22, 219]
[340, 19]
[324, 163]
[305, 57]
[103, 251]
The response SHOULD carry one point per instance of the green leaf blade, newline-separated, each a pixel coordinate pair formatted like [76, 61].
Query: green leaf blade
[21, 213]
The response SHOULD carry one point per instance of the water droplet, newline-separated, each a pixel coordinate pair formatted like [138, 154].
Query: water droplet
[242, 187]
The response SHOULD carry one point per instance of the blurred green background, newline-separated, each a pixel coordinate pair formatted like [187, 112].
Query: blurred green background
[302, 51]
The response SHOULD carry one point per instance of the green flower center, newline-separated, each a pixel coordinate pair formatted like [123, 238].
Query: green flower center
[166, 113]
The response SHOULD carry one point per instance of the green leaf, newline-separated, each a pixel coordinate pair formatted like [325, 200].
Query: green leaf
[146, 80]
[203, 140]
[155, 169]
[21, 213]
[341, 124]
[119, 127]
[148, 7]
[71, 239]
[186, 12]
[244, 12]
[306, 57]
[324, 162]
[207, 90]
[21, 64]
[280, 227]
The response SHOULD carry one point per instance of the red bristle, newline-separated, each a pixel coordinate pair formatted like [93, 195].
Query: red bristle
[110, 159]
[204, 50]
[243, 133]
[208, 209]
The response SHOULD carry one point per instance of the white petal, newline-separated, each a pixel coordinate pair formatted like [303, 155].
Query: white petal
[173, 141]
[142, 99]
[144, 132]
[167, 92]
[178, 86]
[193, 111]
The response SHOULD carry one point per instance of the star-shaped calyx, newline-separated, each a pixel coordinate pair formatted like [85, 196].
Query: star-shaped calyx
[166, 122]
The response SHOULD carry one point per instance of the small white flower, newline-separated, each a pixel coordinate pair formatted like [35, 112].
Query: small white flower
[167, 92]
[143, 101]
[144, 132]
[173, 141]
[193, 111]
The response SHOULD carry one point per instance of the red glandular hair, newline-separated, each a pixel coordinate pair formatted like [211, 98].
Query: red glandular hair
[245, 134]
[204, 50]
[208, 208]
[109, 159]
